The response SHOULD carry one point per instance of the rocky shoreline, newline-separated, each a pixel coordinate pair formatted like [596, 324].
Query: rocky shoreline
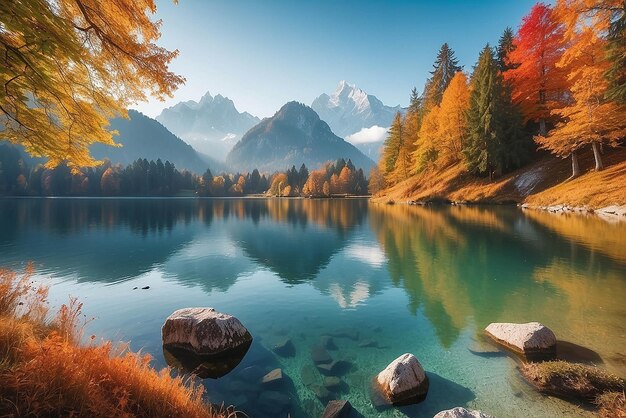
[609, 213]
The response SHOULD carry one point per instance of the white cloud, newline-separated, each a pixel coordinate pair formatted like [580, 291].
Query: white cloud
[367, 135]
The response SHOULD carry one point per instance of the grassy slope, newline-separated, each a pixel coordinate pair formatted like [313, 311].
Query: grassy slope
[45, 372]
[542, 183]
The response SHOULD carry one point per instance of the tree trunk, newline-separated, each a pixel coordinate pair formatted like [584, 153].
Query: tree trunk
[542, 127]
[597, 156]
[575, 167]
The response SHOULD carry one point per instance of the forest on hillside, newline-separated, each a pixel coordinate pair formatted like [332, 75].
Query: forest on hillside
[156, 178]
[557, 85]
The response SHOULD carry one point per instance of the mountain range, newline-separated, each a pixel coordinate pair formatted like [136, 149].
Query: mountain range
[294, 135]
[361, 118]
[144, 137]
[212, 126]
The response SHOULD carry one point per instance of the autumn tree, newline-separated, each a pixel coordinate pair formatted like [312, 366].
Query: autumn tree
[590, 119]
[444, 68]
[68, 66]
[376, 181]
[538, 85]
[452, 119]
[425, 148]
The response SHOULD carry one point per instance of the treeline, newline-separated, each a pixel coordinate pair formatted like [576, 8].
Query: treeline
[155, 178]
[558, 84]
[338, 178]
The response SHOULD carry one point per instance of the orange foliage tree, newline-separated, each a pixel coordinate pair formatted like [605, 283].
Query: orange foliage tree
[452, 118]
[68, 66]
[425, 148]
[538, 85]
[590, 118]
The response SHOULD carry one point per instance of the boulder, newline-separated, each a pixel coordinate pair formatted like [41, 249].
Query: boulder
[403, 382]
[532, 340]
[273, 377]
[335, 367]
[285, 348]
[337, 409]
[204, 331]
[321, 393]
[308, 376]
[319, 355]
[459, 412]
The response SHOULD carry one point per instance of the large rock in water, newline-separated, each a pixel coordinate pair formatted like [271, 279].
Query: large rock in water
[459, 412]
[532, 340]
[206, 332]
[403, 382]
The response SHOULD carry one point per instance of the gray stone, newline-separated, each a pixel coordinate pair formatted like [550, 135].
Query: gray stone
[459, 412]
[319, 355]
[532, 339]
[285, 348]
[337, 409]
[273, 377]
[205, 331]
[403, 382]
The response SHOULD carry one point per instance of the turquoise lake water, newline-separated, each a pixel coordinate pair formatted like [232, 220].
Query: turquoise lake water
[384, 280]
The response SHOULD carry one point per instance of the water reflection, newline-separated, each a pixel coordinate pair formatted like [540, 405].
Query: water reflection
[459, 267]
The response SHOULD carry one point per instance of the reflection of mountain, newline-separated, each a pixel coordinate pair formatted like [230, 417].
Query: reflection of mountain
[296, 238]
[462, 264]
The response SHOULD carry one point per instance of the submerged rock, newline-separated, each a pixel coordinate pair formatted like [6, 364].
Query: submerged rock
[321, 393]
[204, 331]
[335, 367]
[332, 382]
[308, 376]
[285, 348]
[337, 409]
[533, 340]
[403, 382]
[327, 342]
[459, 412]
[368, 344]
[273, 377]
[319, 355]
[273, 402]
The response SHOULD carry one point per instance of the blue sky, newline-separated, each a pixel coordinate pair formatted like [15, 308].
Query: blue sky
[262, 54]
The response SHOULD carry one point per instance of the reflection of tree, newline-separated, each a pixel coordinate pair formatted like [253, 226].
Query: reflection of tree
[457, 263]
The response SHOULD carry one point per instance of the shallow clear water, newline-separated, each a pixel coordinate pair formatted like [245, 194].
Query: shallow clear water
[408, 279]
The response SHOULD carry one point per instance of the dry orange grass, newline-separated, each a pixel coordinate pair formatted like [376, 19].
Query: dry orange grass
[552, 186]
[45, 372]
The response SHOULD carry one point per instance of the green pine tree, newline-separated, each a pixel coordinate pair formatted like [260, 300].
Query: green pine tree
[392, 145]
[617, 55]
[505, 47]
[446, 65]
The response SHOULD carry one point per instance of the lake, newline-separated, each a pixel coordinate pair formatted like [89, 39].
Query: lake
[383, 280]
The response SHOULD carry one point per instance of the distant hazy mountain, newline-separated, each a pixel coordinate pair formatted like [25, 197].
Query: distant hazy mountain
[361, 118]
[294, 135]
[144, 137]
[212, 125]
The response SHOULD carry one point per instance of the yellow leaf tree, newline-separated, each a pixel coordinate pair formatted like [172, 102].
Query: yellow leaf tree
[452, 119]
[426, 146]
[68, 66]
[590, 119]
